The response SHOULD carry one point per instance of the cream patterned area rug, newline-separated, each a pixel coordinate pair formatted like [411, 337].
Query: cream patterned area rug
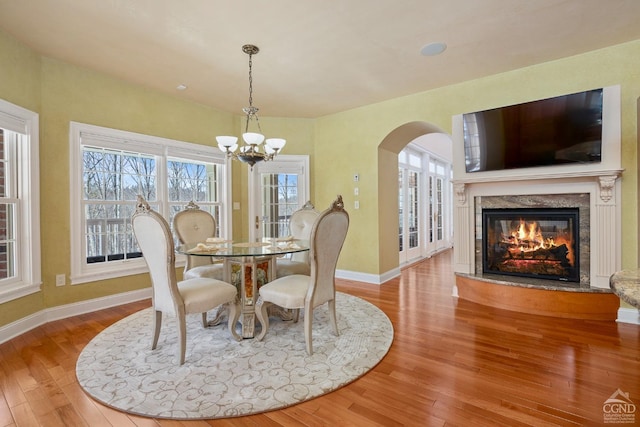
[225, 378]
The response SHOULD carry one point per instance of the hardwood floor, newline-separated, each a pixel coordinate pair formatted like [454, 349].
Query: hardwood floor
[452, 363]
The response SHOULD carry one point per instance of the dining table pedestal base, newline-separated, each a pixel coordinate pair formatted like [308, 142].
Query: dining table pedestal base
[248, 274]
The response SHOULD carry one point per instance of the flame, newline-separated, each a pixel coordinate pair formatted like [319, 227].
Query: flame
[528, 238]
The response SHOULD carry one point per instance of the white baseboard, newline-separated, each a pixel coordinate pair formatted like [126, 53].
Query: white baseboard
[28, 323]
[629, 315]
[376, 279]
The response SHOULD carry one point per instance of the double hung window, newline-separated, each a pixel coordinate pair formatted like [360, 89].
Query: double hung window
[20, 272]
[112, 168]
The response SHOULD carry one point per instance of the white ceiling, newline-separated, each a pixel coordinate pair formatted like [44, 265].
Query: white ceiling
[316, 56]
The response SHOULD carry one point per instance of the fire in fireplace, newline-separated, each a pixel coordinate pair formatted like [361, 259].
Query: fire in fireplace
[532, 242]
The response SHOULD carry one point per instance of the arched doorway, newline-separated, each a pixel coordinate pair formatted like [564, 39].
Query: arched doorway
[425, 197]
[388, 192]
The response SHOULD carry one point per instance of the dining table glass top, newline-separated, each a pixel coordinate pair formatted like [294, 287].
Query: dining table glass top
[226, 248]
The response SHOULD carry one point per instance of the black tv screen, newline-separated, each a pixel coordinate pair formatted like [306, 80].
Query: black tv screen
[561, 130]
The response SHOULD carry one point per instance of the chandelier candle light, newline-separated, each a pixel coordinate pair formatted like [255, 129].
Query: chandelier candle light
[250, 152]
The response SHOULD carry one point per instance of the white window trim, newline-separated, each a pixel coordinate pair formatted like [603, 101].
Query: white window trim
[80, 271]
[25, 122]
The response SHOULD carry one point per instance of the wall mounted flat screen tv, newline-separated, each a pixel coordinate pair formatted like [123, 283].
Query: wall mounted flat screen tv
[555, 131]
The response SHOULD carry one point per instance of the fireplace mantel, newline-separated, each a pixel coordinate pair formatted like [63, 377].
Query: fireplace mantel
[541, 176]
[602, 186]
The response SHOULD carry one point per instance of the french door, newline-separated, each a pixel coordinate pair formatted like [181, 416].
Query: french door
[424, 205]
[278, 188]
[410, 192]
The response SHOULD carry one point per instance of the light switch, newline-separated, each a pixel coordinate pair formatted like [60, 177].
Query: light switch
[236, 206]
[356, 191]
[356, 204]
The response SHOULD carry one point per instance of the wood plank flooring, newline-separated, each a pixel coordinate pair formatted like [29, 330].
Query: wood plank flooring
[452, 363]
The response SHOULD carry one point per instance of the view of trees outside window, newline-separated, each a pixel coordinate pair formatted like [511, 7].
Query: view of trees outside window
[8, 258]
[197, 182]
[279, 201]
[112, 181]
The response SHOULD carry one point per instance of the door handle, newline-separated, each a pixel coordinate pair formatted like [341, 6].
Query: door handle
[257, 222]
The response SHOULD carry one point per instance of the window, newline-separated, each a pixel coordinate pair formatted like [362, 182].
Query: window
[20, 273]
[111, 168]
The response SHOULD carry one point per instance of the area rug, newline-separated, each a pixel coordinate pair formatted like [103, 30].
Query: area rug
[222, 377]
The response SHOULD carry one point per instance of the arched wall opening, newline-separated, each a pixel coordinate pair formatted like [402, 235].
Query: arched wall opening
[388, 224]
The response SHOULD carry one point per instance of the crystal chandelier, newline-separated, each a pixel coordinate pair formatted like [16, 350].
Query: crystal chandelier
[250, 152]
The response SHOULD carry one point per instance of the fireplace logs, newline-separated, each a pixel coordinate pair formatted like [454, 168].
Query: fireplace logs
[531, 242]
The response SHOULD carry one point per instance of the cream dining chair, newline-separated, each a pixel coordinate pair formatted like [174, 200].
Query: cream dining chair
[310, 291]
[194, 225]
[169, 296]
[300, 224]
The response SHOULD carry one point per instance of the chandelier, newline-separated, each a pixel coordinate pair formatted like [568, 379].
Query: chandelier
[250, 152]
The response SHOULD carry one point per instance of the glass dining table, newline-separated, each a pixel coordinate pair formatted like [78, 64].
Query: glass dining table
[247, 265]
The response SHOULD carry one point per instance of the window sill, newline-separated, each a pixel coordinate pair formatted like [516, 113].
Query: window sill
[18, 290]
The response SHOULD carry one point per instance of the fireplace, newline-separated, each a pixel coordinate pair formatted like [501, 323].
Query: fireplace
[594, 188]
[540, 243]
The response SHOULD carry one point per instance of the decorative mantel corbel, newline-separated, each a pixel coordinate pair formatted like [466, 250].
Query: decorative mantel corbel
[461, 192]
[607, 182]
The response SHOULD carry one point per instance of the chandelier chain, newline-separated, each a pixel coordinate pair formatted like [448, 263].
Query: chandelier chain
[250, 80]
[251, 111]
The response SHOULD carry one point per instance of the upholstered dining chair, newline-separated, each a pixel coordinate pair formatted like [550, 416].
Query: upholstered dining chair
[300, 224]
[193, 225]
[169, 296]
[310, 291]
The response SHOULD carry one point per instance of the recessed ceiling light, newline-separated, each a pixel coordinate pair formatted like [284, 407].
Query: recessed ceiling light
[433, 49]
[181, 87]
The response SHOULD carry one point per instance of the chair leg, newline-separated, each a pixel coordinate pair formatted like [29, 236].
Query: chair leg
[296, 315]
[204, 319]
[263, 317]
[234, 315]
[157, 323]
[182, 337]
[308, 320]
[332, 316]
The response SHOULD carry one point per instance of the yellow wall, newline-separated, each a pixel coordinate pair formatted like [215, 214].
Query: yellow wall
[71, 93]
[340, 145]
[61, 93]
[348, 142]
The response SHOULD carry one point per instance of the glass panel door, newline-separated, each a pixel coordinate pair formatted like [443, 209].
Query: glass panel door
[438, 238]
[279, 188]
[401, 212]
[409, 207]
[279, 199]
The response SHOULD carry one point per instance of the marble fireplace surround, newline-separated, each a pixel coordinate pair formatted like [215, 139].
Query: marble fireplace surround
[580, 201]
[596, 194]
